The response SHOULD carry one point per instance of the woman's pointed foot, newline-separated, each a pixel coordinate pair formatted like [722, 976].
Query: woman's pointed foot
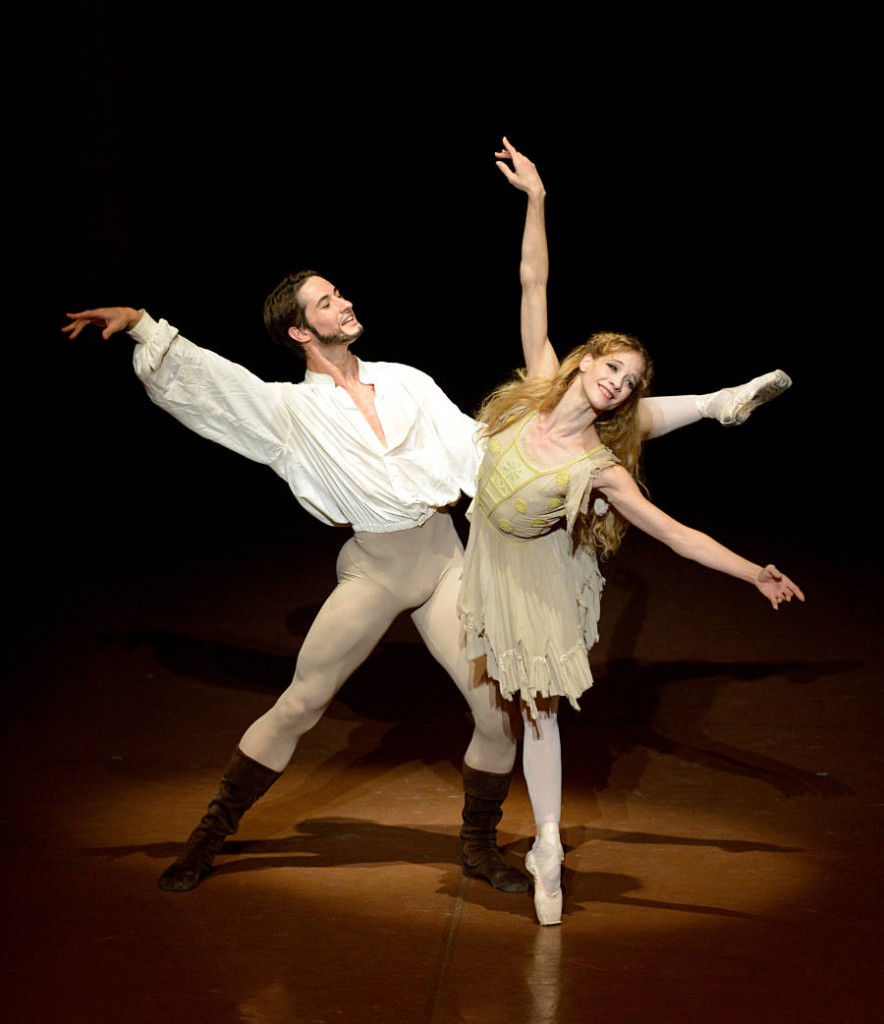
[544, 865]
[733, 406]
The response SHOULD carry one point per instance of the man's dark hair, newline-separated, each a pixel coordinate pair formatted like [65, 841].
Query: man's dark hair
[283, 308]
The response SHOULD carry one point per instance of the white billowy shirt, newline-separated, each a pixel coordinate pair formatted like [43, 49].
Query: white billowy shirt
[314, 436]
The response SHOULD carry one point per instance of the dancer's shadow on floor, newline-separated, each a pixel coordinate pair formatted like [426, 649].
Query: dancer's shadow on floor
[619, 713]
[617, 717]
[410, 709]
[352, 843]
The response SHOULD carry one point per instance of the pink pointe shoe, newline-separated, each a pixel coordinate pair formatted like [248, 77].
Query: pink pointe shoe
[546, 859]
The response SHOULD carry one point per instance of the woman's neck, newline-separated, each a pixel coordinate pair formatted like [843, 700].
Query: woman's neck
[572, 419]
[566, 430]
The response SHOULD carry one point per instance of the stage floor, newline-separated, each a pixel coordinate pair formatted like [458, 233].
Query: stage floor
[723, 790]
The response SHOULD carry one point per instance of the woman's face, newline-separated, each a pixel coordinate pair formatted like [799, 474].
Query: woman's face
[608, 380]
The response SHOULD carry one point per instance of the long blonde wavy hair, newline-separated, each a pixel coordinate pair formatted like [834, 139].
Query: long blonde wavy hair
[617, 429]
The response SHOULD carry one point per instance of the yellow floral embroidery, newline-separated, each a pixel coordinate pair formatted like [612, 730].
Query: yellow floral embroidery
[555, 502]
[512, 470]
[494, 445]
[562, 478]
[538, 522]
[505, 526]
[520, 506]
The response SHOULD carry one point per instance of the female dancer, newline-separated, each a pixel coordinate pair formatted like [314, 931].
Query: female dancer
[557, 489]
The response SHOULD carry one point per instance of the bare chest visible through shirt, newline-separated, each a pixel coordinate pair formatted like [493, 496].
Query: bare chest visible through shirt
[363, 398]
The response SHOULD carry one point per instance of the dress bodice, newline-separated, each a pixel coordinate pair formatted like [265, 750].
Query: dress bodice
[525, 499]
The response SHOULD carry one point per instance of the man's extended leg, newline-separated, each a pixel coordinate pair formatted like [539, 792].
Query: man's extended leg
[730, 406]
[349, 626]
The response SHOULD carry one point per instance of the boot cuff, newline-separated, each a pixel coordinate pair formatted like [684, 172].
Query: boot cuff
[485, 785]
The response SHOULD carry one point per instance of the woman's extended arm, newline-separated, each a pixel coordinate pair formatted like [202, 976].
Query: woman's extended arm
[540, 357]
[623, 493]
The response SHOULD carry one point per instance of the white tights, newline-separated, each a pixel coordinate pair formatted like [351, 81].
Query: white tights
[542, 767]
[658, 416]
[381, 575]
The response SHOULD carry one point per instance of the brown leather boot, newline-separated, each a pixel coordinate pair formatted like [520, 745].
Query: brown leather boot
[243, 783]
[484, 793]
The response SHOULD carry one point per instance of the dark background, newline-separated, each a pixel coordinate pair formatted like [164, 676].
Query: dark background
[712, 187]
[709, 190]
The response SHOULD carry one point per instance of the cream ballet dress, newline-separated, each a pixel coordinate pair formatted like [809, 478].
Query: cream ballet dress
[529, 605]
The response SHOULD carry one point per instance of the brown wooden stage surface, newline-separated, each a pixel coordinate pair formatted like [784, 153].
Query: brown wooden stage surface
[722, 806]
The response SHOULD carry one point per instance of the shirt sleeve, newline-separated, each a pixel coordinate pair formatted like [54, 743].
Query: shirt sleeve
[212, 396]
[461, 434]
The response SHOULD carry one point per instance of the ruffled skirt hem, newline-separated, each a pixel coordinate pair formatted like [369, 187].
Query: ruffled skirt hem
[520, 675]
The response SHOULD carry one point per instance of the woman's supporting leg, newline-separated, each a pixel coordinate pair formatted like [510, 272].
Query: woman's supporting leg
[542, 765]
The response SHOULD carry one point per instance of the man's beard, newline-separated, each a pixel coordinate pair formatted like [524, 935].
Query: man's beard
[338, 337]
